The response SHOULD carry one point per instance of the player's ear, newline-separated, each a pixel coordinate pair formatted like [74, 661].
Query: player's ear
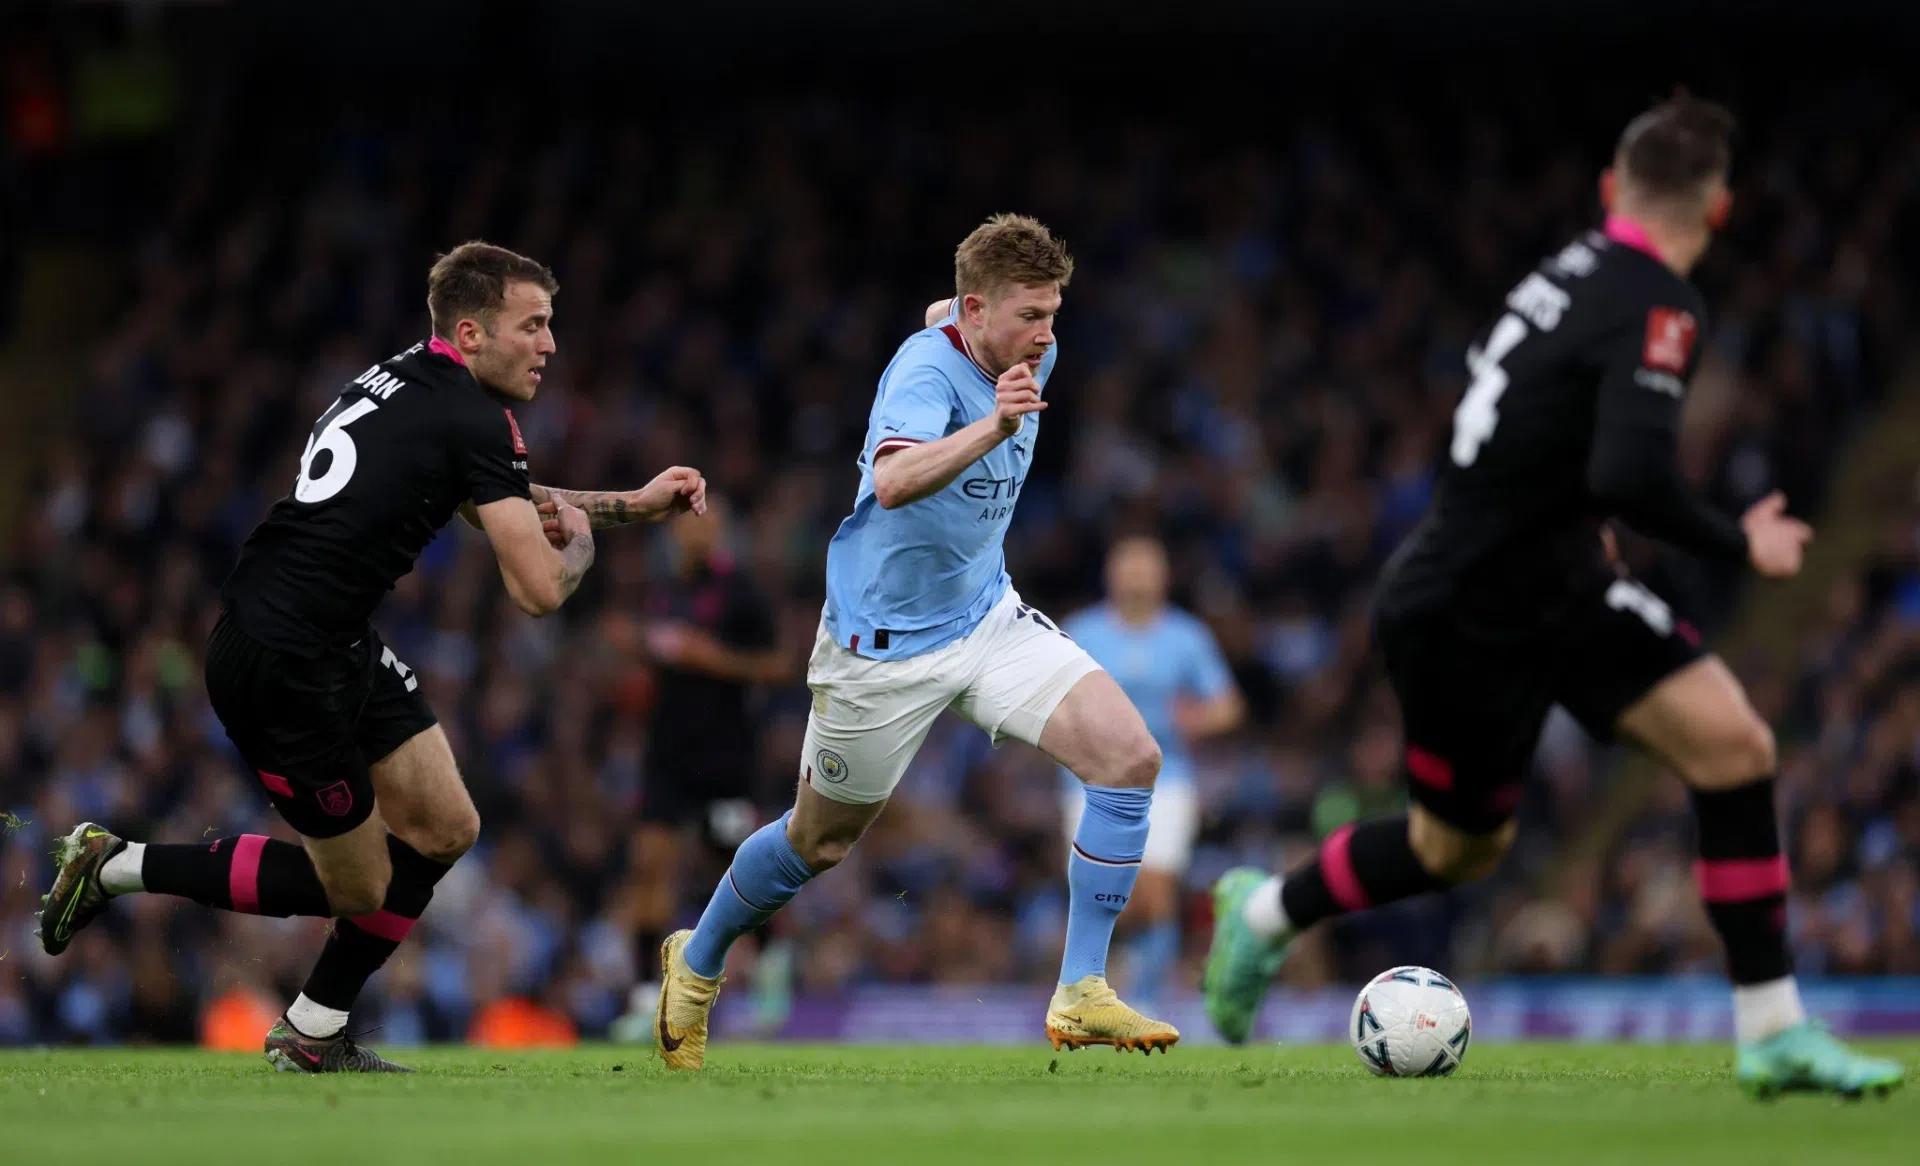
[1609, 189]
[468, 330]
[1719, 209]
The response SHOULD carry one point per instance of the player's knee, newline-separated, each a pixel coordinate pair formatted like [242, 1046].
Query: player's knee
[821, 853]
[1741, 750]
[821, 846]
[1453, 855]
[452, 836]
[1133, 764]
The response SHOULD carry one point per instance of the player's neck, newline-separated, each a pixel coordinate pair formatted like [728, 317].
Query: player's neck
[1677, 247]
[1135, 615]
[976, 350]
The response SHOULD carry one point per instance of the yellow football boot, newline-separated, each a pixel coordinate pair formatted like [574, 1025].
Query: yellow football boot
[686, 1000]
[1089, 1013]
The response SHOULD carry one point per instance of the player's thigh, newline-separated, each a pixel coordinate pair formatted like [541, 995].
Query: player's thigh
[414, 774]
[869, 718]
[292, 722]
[1699, 721]
[1029, 681]
[1630, 666]
[1472, 709]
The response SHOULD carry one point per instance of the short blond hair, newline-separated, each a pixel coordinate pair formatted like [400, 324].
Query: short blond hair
[1009, 249]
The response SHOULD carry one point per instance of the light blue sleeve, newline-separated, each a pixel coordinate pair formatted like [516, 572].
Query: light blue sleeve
[916, 403]
[1207, 674]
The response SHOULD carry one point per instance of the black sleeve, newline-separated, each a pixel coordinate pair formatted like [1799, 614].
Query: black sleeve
[1632, 468]
[490, 455]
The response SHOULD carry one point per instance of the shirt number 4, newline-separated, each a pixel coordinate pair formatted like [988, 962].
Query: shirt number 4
[1478, 413]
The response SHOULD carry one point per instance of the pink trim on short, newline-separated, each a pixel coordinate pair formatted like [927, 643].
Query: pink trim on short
[384, 924]
[275, 783]
[1429, 769]
[1336, 867]
[1741, 880]
[243, 873]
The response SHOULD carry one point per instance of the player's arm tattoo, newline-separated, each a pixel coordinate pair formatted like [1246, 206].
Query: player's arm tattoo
[604, 507]
[575, 558]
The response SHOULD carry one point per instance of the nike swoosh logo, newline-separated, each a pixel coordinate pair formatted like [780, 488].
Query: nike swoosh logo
[313, 1058]
[1072, 1019]
[669, 1042]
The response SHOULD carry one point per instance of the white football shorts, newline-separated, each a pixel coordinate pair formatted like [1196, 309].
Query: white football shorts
[870, 716]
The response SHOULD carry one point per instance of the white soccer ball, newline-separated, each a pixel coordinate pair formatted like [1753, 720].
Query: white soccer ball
[1411, 1022]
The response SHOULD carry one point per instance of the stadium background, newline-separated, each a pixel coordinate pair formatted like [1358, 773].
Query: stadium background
[1288, 225]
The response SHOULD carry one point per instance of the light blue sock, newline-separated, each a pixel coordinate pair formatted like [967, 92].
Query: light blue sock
[766, 873]
[1100, 871]
[1155, 951]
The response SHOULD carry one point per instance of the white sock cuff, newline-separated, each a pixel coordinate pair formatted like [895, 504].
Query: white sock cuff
[1760, 1010]
[1264, 913]
[122, 874]
[315, 1020]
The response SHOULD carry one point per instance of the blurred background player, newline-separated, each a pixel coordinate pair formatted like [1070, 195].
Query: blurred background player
[1504, 602]
[921, 616]
[1170, 667]
[332, 723]
[713, 636]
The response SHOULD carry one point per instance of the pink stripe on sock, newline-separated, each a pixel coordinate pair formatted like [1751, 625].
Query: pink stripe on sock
[275, 783]
[243, 873]
[384, 924]
[1336, 866]
[1739, 880]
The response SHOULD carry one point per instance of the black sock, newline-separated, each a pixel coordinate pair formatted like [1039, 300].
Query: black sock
[252, 874]
[359, 946]
[1362, 866]
[1743, 878]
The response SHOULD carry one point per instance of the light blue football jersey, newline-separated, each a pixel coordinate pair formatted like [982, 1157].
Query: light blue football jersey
[1156, 663]
[906, 581]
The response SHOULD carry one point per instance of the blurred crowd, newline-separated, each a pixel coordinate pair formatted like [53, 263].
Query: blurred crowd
[1259, 358]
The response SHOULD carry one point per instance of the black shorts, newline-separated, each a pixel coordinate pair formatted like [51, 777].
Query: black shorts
[1474, 701]
[309, 728]
[711, 789]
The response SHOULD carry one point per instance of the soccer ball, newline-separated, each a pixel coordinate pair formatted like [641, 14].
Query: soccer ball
[1411, 1022]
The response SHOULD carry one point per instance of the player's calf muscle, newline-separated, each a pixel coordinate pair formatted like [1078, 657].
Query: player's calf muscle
[354, 868]
[1454, 855]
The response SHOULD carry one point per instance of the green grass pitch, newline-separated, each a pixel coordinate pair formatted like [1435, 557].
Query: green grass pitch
[795, 1106]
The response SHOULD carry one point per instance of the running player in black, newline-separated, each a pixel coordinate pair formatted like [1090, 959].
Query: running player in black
[329, 719]
[1503, 603]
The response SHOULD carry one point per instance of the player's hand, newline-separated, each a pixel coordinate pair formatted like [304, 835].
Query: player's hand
[567, 523]
[1015, 395]
[681, 644]
[1776, 543]
[1610, 546]
[677, 490]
